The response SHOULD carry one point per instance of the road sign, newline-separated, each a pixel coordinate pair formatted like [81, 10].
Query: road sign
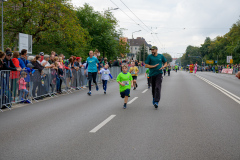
[25, 42]
[231, 61]
[209, 61]
[228, 59]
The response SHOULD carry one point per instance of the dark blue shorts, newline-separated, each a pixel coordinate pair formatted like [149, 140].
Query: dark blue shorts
[125, 93]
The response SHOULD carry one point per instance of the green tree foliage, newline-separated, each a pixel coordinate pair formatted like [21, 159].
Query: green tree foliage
[53, 24]
[123, 48]
[168, 57]
[102, 30]
[142, 55]
[191, 56]
[218, 48]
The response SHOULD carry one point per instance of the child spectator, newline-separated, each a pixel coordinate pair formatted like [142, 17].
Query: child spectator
[23, 88]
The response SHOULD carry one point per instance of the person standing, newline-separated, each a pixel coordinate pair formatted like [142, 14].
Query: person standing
[92, 70]
[195, 68]
[154, 63]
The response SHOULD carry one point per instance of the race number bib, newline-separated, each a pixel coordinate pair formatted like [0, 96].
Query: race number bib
[125, 82]
[105, 72]
[133, 72]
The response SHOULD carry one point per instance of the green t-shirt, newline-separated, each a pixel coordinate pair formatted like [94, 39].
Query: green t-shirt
[147, 71]
[153, 60]
[125, 78]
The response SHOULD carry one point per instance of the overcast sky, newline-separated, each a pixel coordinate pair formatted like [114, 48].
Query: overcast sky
[175, 23]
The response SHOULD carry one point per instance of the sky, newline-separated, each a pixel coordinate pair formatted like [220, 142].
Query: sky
[171, 25]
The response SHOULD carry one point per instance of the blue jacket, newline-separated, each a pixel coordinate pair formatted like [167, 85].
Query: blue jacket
[21, 63]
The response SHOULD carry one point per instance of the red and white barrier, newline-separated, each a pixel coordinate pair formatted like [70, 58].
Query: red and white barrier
[227, 71]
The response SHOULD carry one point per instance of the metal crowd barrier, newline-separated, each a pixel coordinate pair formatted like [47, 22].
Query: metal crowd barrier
[47, 83]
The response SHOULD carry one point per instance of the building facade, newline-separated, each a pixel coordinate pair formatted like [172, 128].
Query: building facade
[135, 45]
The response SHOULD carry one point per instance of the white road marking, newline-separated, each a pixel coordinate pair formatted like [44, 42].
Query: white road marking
[132, 100]
[224, 91]
[145, 90]
[94, 130]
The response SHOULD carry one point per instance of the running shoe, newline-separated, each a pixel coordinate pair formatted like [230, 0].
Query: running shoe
[136, 85]
[89, 93]
[105, 92]
[156, 105]
[124, 106]
[97, 88]
[134, 88]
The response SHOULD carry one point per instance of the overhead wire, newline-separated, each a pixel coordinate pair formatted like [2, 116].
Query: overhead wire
[139, 19]
[144, 24]
[128, 16]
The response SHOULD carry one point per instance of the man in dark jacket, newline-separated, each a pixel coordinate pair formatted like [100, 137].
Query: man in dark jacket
[116, 63]
[9, 62]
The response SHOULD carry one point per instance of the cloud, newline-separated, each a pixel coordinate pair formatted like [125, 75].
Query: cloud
[178, 23]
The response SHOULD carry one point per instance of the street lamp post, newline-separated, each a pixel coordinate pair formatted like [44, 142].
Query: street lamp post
[2, 25]
[134, 32]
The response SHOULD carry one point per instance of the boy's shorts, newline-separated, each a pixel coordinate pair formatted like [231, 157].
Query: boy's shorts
[134, 77]
[125, 93]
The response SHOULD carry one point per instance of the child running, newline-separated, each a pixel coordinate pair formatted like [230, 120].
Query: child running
[124, 79]
[148, 79]
[134, 72]
[105, 77]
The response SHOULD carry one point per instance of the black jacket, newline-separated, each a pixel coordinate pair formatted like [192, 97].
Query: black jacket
[7, 65]
[38, 69]
[115, 63]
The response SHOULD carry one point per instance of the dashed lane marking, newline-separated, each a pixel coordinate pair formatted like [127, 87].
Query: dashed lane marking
[94, 130]
[132, 100]
[145, 90]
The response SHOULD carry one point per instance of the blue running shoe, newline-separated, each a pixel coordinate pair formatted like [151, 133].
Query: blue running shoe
[124, 106]
[156, 105]
[89, 93]
[153, 101]
[97, 88]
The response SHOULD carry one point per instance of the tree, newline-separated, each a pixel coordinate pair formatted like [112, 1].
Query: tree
[142, 53]
[102, 30]
[51, 23]
[168, 57]
[123, 47]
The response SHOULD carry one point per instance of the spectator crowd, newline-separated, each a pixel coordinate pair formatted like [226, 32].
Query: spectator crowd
[25, 77]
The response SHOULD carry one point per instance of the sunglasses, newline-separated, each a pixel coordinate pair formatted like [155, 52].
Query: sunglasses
[9, 55]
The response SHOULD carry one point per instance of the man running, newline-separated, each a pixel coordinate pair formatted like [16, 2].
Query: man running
[154, 63]
[92, 70]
